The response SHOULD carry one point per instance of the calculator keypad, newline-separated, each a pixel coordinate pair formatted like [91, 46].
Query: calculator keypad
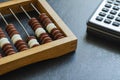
[107, 21]
[115, 24]
[110, 16]
[99, 18]
[102, 14]
[110, 13]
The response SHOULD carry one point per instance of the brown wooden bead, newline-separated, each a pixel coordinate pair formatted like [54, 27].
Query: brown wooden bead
[11, 30]
[29, 38]
[34, 23]
[0, 56]
[2, 35]
[57, 34]
[36, 45]
[44, 37]
[21, 45]
[45, 20]
[8, 49]
[46, 40]
[6, 46]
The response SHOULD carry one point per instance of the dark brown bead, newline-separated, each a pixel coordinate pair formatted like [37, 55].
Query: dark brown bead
[6, 46]
[21, 45]
[57, 34]
[43, 35]
[54, 31]
[29, 38]
[0, 56]
[45, 20]
[34, 23]
[2, 35]
[22, 48]
[35, 45]
[46, 40]
[42, 17]
[11, 30]
[8, 49]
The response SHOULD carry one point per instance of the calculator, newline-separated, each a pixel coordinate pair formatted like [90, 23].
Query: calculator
[105, 21]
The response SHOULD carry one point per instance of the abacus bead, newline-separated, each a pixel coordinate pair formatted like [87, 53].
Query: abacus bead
[34, 23]
[21, 45]
[5, 44]
[57, 34]
[44, 19]
[46, 40]
[0, 56]
[50, 27]
[39, 31]
[43, 35]
[32, 41]
[22, 48]
[8, 46]
[2, 33]
[8, 49]
[11, 30]
[35, 45]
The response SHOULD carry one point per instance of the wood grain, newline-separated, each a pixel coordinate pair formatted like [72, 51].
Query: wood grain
[43, 52]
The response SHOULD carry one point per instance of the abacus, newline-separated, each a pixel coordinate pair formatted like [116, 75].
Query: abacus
[51, 38]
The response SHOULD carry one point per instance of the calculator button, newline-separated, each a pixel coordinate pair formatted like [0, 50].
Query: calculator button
[108, 5]
[99, 18]
[115, 24]
[119, 14]
[102, 14]
[105, 9]
[113, 12]
[110, 16]
[118, 19]
[107, 21]
[116, 8]
[118, 1]
[110, 1]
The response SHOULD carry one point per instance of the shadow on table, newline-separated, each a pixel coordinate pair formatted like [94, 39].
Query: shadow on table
[103, 43]
[38, 68]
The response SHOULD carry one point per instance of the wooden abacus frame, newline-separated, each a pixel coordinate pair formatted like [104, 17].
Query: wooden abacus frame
[43, 52]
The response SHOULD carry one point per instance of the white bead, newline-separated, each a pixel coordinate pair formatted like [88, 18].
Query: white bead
[3, 41]
[50, 27]
[15, 38]
[39, 31]
[32, 42]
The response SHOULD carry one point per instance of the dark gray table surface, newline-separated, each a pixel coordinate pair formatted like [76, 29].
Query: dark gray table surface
[94, 59]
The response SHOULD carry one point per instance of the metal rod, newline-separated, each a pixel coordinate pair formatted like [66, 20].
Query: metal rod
[35, 9]
[19, 22]
[3, 18]
[25, 12]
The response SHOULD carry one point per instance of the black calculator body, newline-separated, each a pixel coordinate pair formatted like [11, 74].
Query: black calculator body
[105, 21]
